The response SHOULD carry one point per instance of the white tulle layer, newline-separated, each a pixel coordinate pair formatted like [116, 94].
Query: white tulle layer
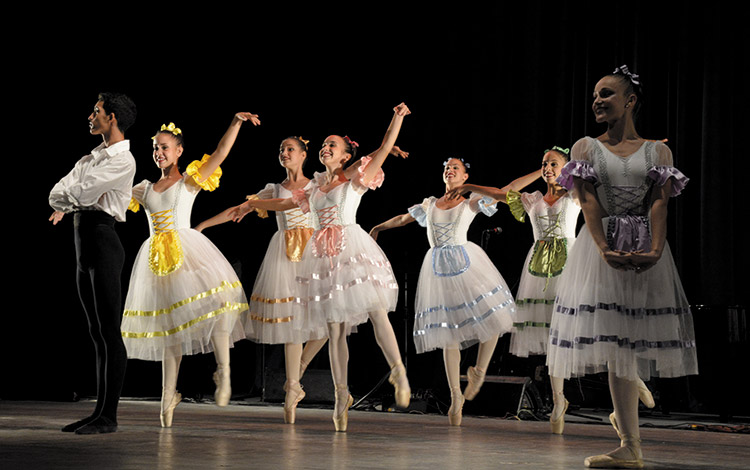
[636, 325]
[466, 308]
[271, 319]
[186, 308]
[344, 288]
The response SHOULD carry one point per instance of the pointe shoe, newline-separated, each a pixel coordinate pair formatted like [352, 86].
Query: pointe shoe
[456, 415]
[223, 386]
[475, 378]
[558, 425]
[341, 421]
[294, 395]
[402, 391]
[644, 394]
[626, 456]
[166, 415]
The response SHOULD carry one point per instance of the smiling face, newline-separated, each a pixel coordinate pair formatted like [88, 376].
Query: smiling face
[333, 154]
[167, 150]
[99, 122]
[291, 154]
[611, 101]
[552, 164]
[454, 172]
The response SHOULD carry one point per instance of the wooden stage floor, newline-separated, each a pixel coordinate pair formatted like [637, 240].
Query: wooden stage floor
[255, 437]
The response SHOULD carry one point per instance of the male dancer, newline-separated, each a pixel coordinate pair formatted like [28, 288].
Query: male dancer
[97, 191]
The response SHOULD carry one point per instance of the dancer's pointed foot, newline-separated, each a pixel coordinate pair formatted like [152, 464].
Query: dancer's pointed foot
[400, 383]
[223, 386]
[557, 417]
[343, 400]
[475, 377]
[168, 410]
[644, 394]
[455, 412]
[294, 395]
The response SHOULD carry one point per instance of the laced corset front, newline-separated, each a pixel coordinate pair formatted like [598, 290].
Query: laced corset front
[292, 218]
[554, 221]
[169, 210]
[444, 225]
[624, 187]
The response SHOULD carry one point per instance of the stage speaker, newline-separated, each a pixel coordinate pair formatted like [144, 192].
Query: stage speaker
[500, 395]
[316, 382]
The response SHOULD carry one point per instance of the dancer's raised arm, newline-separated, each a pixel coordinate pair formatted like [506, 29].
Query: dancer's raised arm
[498, 194]
[378, 156]
[225, 144]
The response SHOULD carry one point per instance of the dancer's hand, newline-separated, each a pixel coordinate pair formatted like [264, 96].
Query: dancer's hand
[397, 152]
[617, 259]
[457, 192]
[402, 110]
[56, 217]
[374, 233]
[237, 213]
[253, 118]
[642, 262]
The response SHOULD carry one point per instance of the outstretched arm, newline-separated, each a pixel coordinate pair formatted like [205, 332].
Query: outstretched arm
[239, 212]
[379, 156]
[498, 194]
[226, 143]
[218, 219]
[398, 221]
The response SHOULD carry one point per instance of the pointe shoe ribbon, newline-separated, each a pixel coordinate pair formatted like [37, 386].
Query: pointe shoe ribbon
[166, 415]
[402, 391]
[475, 377]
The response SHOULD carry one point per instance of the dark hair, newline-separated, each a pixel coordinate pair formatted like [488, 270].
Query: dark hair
[633, 84]
[350, 147]
[465, 164]
[178, 137]
[121, 106]
[301, 143]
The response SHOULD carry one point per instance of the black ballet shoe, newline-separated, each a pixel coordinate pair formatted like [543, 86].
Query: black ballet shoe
[80, 423]
[101, 425]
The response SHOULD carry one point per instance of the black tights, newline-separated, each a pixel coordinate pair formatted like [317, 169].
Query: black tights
[100, 258]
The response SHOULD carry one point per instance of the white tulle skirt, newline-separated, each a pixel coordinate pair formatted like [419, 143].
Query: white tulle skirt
[271, 319]
[470, 305]
[635, 325]
[345, 287]
[182, 310]
[534, 301]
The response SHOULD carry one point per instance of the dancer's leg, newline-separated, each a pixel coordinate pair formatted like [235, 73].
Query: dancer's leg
[624, 394]
[222, 376]
[292, 387]
[170, 369]
[338, 353]
[312, 348]
[477, 373]
[386, 339]
[452, 360]
[557, 417]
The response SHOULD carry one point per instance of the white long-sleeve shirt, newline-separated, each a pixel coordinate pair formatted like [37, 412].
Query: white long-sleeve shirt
[102, 180]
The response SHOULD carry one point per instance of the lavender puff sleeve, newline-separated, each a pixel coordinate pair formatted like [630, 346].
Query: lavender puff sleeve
[660, 175]
[577, 168]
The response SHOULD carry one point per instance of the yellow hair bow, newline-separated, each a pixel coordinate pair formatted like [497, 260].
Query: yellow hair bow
[171, 128]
